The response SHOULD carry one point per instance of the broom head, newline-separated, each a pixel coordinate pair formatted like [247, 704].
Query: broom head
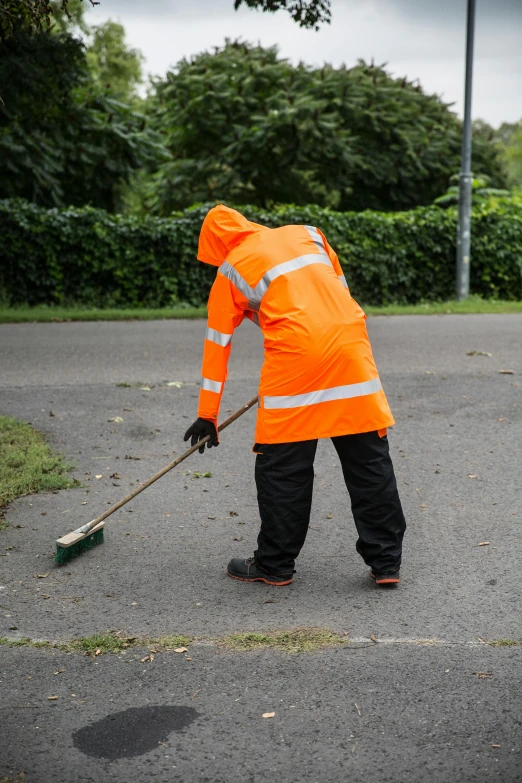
[73, 544]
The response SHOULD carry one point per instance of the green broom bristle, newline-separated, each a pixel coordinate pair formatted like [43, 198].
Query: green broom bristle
[66, 553]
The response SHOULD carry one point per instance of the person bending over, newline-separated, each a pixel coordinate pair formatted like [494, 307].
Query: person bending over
[319, 380]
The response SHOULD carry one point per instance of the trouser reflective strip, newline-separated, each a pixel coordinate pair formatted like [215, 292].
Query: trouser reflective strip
[221, 338]
[324, 395]
[213, 386]
[342, 278]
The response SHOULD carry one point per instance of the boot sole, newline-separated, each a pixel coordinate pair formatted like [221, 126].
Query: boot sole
[388, 580]
[259, 579]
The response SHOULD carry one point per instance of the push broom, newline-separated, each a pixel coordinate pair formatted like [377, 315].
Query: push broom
[91, 534]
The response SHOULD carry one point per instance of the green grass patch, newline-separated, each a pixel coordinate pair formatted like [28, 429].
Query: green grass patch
[296, 640]
[27, 463]
[293, 641]
[503, 643]
[20, 778]
[57, 314]
[475, 304]
[25, 642]
[100, 643]
[471, 306]
[110, 642]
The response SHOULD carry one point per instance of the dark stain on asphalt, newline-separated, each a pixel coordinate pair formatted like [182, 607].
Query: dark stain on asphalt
[140, 432]
[132, 732]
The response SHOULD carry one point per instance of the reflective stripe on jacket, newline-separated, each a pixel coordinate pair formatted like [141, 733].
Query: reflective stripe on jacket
[319, 377]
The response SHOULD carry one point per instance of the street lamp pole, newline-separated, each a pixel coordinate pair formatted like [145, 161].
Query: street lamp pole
[465, 178]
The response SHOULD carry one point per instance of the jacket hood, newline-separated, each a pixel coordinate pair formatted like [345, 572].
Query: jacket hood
[222, 230]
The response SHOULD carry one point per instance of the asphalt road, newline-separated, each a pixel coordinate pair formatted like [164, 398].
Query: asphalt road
[457, 451]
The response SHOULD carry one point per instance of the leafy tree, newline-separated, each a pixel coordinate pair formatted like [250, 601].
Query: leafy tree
[64, 140]
[32, 16]
[246, 126]
[307, 13]
[37, 15]
[111, 63]
[509, 140]
[480, 192]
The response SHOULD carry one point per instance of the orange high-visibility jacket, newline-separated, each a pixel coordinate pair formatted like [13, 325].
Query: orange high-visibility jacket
[319, 377]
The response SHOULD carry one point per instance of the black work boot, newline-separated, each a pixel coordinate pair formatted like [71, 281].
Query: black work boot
[390, 578]
[250, 571]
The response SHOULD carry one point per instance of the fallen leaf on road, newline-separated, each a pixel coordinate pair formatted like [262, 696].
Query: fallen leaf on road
[116, 419]
[115, 476]
[506, 372]
[177, 384]
[479, 353]
[211, 517]
[268, 714]
[84, 502]
[147, 658]
[233, 513]
[502, 419]
[237, 539]
[329, 516]
[99, 476]
[484, 543]
[134, 603]
[472, 475]
[181, 649]
[483, 675]
[52, 698]
[144, 388]
[496, 746]
[42, 576]
[373, 637]
[60, 671]
[97, 652]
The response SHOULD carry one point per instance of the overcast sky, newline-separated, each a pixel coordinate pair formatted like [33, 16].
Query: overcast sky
[422, 39]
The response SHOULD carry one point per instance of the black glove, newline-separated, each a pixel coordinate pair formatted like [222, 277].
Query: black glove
[199, 430]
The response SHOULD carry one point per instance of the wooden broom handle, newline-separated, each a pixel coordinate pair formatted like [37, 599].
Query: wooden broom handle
[168, 467]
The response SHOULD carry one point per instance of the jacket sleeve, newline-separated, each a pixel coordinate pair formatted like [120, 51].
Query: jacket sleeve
[225, 313]
[332, 255]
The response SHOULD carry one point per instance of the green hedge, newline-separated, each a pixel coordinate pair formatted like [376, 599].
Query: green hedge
[89, 257]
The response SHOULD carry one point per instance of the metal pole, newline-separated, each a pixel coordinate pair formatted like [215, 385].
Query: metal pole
[465, 178]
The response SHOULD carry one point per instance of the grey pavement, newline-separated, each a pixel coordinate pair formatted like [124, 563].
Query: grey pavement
[457, 452]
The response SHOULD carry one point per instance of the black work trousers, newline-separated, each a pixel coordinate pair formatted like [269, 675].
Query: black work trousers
[285, 479]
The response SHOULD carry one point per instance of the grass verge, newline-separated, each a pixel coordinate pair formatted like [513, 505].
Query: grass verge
[295, 640]
[503, 643]
[58, 314]
[292, 641]
[27, 463]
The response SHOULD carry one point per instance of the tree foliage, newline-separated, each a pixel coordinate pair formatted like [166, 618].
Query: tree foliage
[112, 64]
[244, 125]
[307, 13]
[32, 16]
[36, 16]
[63, 138]
[509, 140]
